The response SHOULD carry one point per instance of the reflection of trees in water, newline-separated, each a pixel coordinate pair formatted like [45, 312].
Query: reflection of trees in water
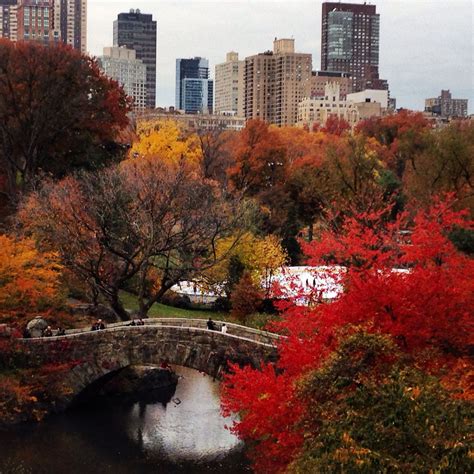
[125, 438]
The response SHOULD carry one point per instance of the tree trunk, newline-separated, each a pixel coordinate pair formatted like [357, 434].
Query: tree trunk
[155, 298]
[310, 232]
[118, 308]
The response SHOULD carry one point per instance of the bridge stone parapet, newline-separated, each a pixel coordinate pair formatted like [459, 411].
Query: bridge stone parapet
[95, 354]
[232, 328]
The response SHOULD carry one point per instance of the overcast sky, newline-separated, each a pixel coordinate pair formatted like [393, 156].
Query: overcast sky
[425, 45]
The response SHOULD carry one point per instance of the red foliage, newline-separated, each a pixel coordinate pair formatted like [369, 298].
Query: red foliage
[270, 414]
[403, 135]
[425, 305]
[246, 298]
[58, 111]
[390, 128]
[335, 125]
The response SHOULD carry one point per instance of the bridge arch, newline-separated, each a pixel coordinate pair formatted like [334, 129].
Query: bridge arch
[94, 355]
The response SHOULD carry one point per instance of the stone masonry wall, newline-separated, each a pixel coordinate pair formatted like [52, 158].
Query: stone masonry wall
[98, 353]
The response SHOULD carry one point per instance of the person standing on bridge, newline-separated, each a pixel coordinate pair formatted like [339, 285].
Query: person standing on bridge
[211, 325]
[98, 325]
[224, 329]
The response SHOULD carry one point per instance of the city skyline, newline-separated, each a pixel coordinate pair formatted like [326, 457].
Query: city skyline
[442, 58]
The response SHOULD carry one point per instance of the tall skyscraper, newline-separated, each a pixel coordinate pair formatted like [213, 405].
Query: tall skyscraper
[194, 89]
[46, 21]
[275, 82]
[136, 30]
[70, 19]
[350, 43]
[229, 86]
[121, 64]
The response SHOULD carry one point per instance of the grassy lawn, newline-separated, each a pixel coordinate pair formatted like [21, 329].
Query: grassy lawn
[162, 311]
[159, 310]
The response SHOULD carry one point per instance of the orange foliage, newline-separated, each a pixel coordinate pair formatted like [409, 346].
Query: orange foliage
[260, 159]
[28, 278]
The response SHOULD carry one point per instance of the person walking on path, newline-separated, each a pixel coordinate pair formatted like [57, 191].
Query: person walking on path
[224, 329]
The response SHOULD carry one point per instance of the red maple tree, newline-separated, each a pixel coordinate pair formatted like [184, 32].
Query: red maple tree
[403, 279]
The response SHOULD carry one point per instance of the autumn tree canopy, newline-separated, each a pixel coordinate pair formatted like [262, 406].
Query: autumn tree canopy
[165, 140]
[58, 111]
[408, 304]
[153, 225]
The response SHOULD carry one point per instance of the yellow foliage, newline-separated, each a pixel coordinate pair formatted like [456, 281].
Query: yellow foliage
[262, 257]
[164, 141]
[28, 278]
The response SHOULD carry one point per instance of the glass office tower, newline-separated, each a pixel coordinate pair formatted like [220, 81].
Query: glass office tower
[194, 89]
[350, 43]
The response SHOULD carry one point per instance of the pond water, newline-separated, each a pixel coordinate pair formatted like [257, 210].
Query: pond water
[185, 435]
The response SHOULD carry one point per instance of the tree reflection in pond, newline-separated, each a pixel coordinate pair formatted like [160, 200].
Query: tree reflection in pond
[189, 437]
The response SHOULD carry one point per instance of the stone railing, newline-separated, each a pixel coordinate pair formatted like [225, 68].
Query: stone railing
[235, 330]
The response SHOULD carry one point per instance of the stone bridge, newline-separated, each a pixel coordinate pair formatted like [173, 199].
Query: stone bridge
[185, 342]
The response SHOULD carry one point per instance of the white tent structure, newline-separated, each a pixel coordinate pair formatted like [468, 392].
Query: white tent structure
[310, 283]
[306, 283]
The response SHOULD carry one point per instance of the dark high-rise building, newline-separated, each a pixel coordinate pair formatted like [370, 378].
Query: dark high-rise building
[137, 31]
[350, 43]
[194, 89]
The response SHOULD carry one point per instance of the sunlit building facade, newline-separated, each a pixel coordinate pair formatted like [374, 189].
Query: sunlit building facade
[275, 82]
[121, 64]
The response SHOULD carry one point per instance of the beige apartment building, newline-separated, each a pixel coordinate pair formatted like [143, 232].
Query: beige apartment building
[275, 82]
[354, 108]
[195, 122]
[121, 64]
[9, 21]
[317, 110]
[371, 95]
[445, 106]
[229, 86]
